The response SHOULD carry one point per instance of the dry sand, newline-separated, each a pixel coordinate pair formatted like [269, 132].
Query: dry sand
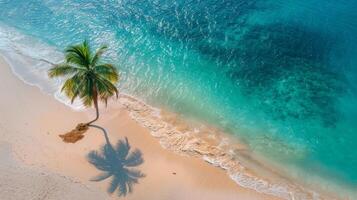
[36, 164]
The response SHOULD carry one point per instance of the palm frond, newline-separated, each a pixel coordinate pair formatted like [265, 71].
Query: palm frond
[79, 54]
[108, 71]
[105, 89]
[109, 86]
[78, 89]
[63, 69]
[71, 85]
[87, 93]
[98, 54]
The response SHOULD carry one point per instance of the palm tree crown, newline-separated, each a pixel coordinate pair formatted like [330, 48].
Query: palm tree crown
[87, 77]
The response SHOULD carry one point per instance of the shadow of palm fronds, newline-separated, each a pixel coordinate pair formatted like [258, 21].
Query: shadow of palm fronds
[119, 163]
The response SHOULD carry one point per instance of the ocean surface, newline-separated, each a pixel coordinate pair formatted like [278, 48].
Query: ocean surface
[280, 75]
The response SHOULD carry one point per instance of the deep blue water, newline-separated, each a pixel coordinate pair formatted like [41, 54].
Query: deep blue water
[279, 74]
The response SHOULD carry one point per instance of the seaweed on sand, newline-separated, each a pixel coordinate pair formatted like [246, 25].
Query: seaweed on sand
[76, 134]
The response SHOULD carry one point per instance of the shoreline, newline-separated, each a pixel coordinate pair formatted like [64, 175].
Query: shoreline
[219, 149]
[35, 120]
[155, 120]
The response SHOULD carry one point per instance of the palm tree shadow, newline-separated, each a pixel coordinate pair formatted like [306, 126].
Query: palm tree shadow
[117, 162]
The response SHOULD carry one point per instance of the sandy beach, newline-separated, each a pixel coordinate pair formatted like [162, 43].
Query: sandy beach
[36, 164]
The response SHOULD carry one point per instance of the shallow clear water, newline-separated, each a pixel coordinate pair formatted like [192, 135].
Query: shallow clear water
[282, 72]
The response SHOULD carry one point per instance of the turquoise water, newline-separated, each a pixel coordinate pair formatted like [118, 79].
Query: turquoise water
[279, 74]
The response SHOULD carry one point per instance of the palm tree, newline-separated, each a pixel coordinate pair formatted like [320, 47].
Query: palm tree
[88, 78]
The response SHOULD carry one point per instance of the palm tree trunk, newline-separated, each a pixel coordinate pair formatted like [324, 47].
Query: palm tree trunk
[95, 101]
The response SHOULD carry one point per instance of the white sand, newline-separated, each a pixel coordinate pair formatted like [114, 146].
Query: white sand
[18, 181]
